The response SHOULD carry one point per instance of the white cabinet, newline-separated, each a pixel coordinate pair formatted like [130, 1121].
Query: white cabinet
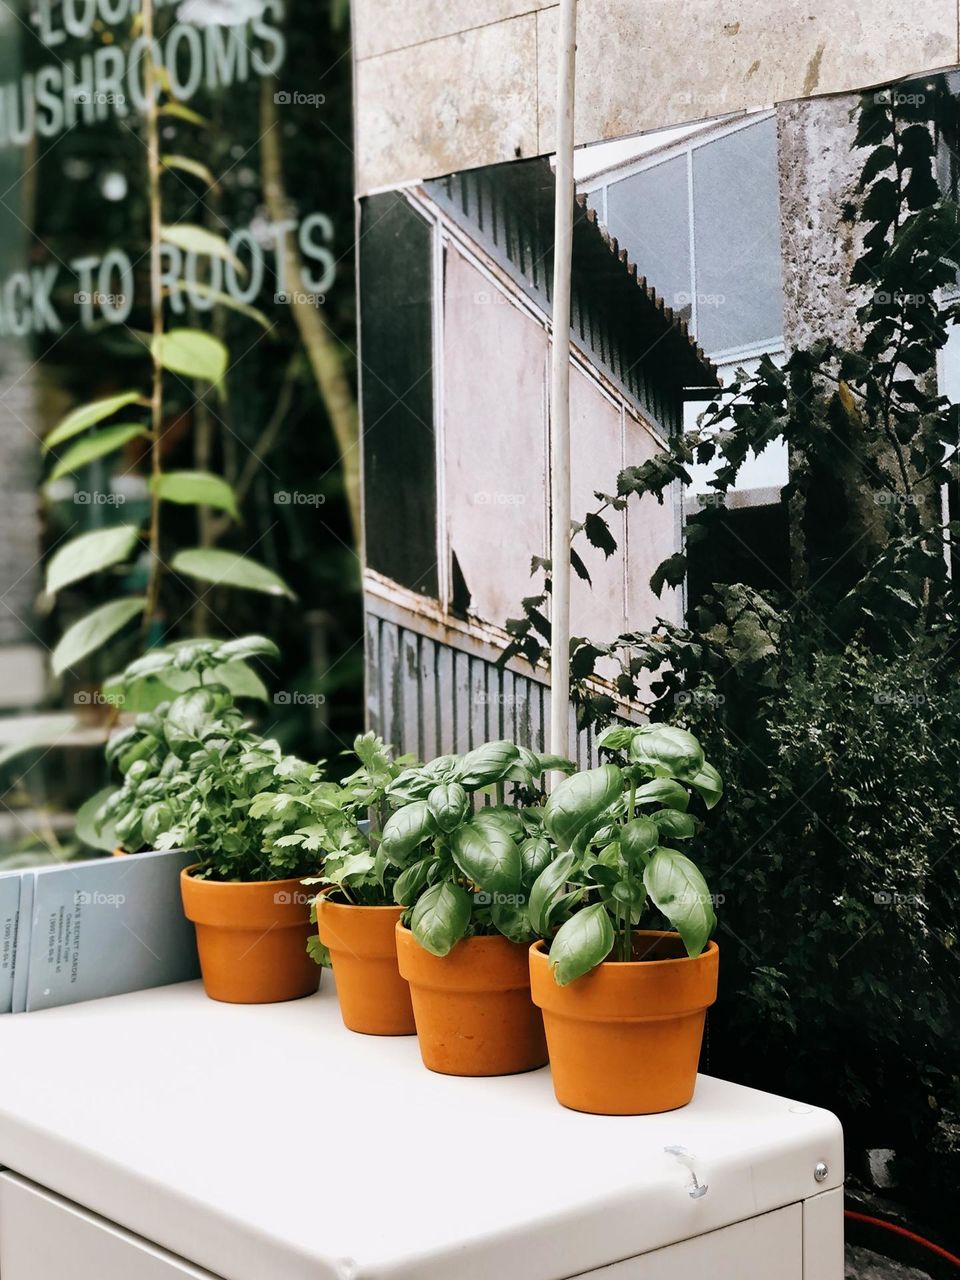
[769, 1247]
[42, 1236]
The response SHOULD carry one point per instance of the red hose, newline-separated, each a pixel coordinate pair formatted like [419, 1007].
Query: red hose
[902, 1231]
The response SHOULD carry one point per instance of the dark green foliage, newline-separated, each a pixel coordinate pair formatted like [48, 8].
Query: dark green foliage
[832, 707]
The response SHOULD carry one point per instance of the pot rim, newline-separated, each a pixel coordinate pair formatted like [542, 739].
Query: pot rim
[488, 937]
[325, 898]
[187, 874]
[537, 949]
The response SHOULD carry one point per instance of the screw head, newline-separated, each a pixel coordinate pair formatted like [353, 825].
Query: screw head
[820, 1171]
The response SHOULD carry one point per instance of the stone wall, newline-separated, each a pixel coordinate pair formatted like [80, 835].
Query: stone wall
[448, 84]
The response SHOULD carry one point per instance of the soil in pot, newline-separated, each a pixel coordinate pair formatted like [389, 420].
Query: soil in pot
[472, 1007]
[374, 998]
[625, 1038]
[252, 938]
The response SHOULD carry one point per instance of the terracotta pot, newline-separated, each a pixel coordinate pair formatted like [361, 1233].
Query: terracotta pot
[625, 1038]
[252, 938]
[374, 999]
[472, 1007]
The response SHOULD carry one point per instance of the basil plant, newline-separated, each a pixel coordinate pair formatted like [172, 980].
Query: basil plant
[339, 823]
[613, 831]
[465, 869]
[192, 765]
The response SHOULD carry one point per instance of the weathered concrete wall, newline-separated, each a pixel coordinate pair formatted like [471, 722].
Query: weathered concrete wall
[820, 240]
[449, 84]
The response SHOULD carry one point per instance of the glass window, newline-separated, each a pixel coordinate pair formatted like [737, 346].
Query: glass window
[736, 223]
[649, 215]
[396, 334]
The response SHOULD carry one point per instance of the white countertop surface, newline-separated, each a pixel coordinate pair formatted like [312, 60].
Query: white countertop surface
[269, 1143]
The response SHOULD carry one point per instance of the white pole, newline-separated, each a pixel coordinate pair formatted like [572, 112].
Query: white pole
[560, 387]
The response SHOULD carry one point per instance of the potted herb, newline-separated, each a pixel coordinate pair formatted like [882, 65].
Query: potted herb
[466, 873]
[191, 768]
[355, 911]
[624, 1007]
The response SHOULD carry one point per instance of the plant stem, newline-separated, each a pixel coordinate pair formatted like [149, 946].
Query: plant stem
[626, 941]
[156, 311]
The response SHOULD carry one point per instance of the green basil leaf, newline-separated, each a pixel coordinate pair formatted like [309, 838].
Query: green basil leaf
[411, 882]
[547, 890]
[486, 764]
[577, 801]
[441, 916]
[678, 889]
[664, 792]
[667, 750]
[488, 856]
[503, 817]
[709, 784]
[638, 837]
[449, 804]
[404, 830]
[581, 944]
[674, 825]
[535, 854]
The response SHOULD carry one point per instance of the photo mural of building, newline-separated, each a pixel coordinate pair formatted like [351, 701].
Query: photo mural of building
[455, 278]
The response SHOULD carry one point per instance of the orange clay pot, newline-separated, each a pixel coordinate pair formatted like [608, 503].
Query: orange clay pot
[252, 938]
[625, 1038]
[472, 1007]
[362, 942]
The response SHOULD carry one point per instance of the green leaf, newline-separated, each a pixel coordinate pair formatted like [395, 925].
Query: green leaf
[217, 295]
[487, 856]
[53, 729]
[440, 918]
[198, 488]
[674, 825]
[226, 568]
[638, 837]
[187, 165]
[405, 829]
[665, 792]
[581, 944]
[191, 353]
[193, 239]
[579, 800]
[667, 750]
[241, 680]
[86, 831]
[547, 890]
[410, 882]
[93, 630]
[87, 415]
[173, 108]
[709, 784]
[678, 889]
[89, 553]
[488, 763]
[247, 647]
[449, 804]
[535, 854]
[95, 446]
[547, 762]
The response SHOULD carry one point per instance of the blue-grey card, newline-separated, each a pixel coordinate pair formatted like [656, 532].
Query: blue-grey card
[9, 909]
[104, 928]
